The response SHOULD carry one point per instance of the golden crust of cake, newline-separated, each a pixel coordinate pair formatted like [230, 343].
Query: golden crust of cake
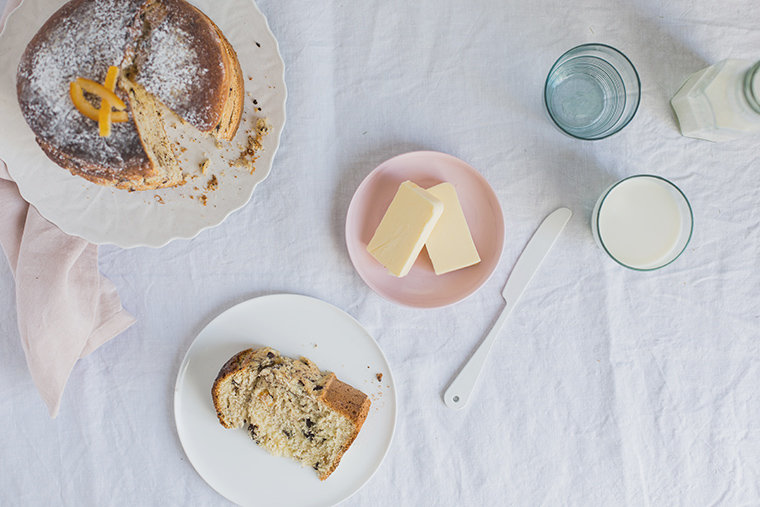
[232, 113]
[184, 60]
[289, 407]
[200, 80]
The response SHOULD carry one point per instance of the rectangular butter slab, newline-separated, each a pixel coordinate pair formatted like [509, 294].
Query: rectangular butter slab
[450, 245]
[405, 227]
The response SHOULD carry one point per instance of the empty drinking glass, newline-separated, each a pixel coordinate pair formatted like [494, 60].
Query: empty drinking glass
[592, 91]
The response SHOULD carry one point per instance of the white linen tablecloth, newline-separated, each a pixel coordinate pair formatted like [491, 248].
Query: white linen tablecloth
[607, 386]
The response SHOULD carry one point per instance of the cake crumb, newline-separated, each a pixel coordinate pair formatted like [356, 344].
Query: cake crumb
[249, 153]
[379, 377]
[203, 199]
[212, 184]
[159, 199]
[204, 166]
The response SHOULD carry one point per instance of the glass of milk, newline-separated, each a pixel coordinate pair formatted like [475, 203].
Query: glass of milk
[592, 91]
[643, 222]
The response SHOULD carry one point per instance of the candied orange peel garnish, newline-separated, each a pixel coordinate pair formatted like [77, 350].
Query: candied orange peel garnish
[110, 82]
[108, 101]
[87, 109]
[103, 92]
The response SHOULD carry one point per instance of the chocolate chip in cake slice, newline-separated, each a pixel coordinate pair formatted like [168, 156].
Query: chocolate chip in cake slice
[252, 429]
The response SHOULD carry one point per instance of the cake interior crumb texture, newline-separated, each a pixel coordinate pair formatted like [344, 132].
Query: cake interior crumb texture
[289, 407]
[145, 114]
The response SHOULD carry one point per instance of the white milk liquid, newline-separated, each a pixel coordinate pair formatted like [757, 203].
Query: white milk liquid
[640, 222]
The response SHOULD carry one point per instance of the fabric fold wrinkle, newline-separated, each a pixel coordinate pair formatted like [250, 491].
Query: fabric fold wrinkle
[66, 309]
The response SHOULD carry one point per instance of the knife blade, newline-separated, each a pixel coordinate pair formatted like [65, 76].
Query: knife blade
[460, 389]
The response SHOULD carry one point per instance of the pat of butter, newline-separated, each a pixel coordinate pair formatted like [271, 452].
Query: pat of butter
[405, 227]
[450, 245]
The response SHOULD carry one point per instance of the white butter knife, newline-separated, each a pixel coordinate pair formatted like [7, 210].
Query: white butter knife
[458, 393]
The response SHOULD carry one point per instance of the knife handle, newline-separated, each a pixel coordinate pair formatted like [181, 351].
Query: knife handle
[458, 393]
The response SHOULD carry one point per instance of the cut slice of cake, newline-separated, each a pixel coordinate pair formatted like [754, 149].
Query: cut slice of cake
[289, 407]
[146, 113]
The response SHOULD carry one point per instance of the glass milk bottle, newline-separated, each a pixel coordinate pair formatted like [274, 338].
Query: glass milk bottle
[720, 103]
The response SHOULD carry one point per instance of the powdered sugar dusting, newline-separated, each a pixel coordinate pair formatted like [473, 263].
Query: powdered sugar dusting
[167, 46]
[168, 73]
[83, 41]
[176, 62]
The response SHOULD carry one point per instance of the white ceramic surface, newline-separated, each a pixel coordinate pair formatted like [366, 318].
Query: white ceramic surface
[148, 218]
[296, 326]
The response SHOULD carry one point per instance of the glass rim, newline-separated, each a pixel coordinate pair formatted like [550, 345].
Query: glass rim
[749, 92]
[638, 93]
[669, 183]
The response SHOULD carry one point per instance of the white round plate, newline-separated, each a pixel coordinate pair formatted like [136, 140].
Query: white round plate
[154, 217]
[296, 326]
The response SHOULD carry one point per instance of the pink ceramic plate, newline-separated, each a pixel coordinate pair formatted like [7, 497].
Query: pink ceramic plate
[422, 288]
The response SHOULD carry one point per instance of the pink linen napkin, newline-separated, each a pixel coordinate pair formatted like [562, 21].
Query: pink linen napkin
[66, 308]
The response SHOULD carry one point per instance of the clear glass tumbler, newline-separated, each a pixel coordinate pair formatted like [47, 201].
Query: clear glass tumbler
[592, 91]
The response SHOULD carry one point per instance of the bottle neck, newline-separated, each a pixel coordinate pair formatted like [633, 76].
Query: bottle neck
[752, 87]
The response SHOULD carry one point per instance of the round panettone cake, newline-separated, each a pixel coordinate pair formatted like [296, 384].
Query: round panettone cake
[166, 52]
